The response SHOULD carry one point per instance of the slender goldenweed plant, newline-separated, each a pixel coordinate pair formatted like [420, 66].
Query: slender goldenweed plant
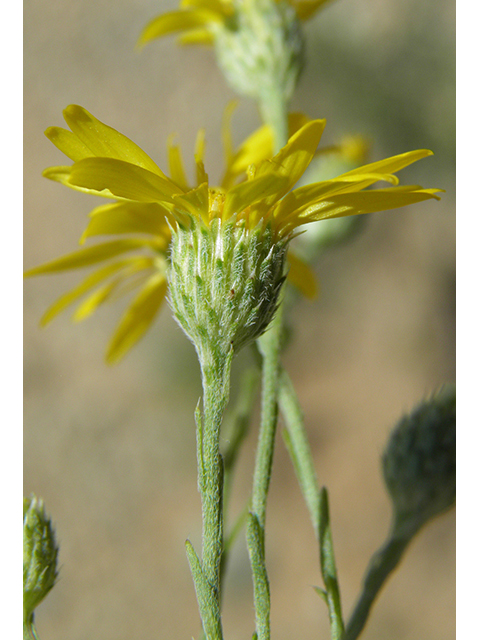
[221, 255]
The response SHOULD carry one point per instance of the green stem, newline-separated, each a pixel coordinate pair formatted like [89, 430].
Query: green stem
[216, 383]
[242, 414]
[241, 417]
[296, 440]
[295, 437]
[274, 112]
[381, 565]
[29, 631]
[270, 348]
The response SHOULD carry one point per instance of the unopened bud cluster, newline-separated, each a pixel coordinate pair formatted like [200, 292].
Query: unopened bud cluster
[419, 462]
[261, 45]
[225, 281]
[39, 555]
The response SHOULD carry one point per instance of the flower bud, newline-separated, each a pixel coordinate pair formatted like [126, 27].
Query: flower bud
[225, 282]
[419, 462]
[39, 555]
[260, 48]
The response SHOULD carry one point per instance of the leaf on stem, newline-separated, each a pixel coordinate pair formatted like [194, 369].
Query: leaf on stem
[261, 588]
[329, 571]
[322, 593]
[206, 598]
[296, 441]
[201, 466]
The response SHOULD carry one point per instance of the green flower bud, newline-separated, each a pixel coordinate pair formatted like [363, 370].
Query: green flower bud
[225, 282]
[39, 556]
[260, 48]
[419, 462]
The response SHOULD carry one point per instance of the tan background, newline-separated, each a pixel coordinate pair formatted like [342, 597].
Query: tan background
[111, 450]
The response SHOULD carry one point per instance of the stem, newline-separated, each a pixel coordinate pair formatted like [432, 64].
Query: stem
[274, 112]
[242, 414]
[241, 418]
[295, 437]
[216, 382]
[299, 449]
[29, 631]
[270, 347]
[381, 565]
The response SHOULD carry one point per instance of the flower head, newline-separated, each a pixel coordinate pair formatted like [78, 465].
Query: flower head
[198, 20]
[260, 215]
[419, 462]
[258, 43]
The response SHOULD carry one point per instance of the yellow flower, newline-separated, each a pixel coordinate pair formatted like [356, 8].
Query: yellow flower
[149, 207]
[198, 19]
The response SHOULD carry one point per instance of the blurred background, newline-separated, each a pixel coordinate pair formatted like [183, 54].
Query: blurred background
[112, 450]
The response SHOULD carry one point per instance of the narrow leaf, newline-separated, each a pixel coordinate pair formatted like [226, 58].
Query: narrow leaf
[207, 602]
[329, 572]
[322, 593]
[295, 438]
[261, 588]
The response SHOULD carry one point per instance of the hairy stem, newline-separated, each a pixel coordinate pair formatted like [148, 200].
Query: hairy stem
[270, 347]
[216, 382]
[381, 565]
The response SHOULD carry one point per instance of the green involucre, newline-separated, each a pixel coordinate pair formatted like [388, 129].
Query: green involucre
[225, 282]
[419, 462]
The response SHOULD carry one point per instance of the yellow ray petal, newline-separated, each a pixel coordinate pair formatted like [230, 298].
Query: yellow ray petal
[194, 203]
[97, 298]
[350, 204]
[105, 292]
[62, 175]
[137, 318]
[122, 179]
[294, 158]
[247, 193]
[201, 174]
[256, 148]
[104, 141]
[174, 21]
[298, 200]
[68, 143]
[221, 7]
[90, 255]
[296, 121]
[92, 280]
[58, 174]
[301, 275]
[175, 163]
[391, 165]
[129, 217]
[201, 37]
[200, 145]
